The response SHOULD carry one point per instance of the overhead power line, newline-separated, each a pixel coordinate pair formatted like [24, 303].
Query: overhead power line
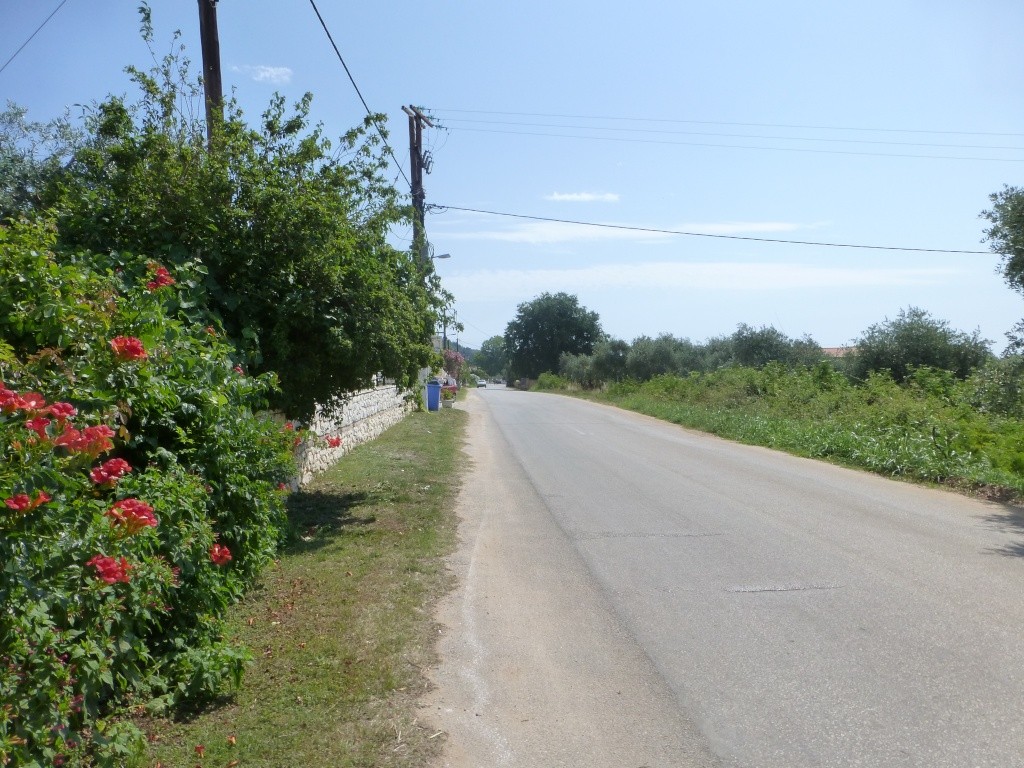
[743, 146]
[45, 21]
[719, 122]
[705, 234]
[671, 132]
[358, 92]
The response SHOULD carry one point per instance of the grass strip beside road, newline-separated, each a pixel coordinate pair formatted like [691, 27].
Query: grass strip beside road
[341, 628]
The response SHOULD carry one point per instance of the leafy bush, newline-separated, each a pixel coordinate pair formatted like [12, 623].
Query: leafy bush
[140, 497]
[291, 229]
[551, 381]
[916, 339]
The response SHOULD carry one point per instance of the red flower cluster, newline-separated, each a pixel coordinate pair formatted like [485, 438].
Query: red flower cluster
[11, 401]
[91, 440]
[220, 555]
[108, 473]
[128, 348]
[110, 570]
[62, 411]
[38, 425]
[334, 441]
[161, 278]
[20, 502]
[132, 515]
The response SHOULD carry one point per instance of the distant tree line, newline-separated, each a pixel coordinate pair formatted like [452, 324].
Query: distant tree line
[554, 334]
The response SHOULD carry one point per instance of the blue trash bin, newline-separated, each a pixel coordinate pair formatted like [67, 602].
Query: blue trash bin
[433, 395]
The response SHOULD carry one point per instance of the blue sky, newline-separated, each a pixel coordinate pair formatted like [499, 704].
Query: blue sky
[826, 122]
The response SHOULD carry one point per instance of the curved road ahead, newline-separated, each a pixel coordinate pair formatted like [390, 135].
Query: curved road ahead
[635, 594]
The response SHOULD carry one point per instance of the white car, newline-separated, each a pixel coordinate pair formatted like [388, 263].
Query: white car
[481, 382]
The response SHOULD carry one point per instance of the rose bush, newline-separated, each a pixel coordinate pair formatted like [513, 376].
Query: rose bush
[139, 493]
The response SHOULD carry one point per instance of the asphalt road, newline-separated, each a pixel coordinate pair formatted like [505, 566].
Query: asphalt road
[635, 594]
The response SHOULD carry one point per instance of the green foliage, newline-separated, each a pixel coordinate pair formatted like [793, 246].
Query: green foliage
[933, 427]
[544, 329]
[551, 382]
[121, 373]
[290, 228]
[31, 154]
[609, 359]
[492, 357]
[916, 339]
[1006, 235]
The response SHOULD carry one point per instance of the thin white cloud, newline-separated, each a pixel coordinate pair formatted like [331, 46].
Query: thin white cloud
[583, 197]
[489, 285]
[264, 74]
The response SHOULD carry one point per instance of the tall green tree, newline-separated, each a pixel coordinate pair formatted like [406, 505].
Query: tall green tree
[31, 154]
[291, 228]
[913, 340]
[547, 327]
[756, 347]
[1006, 237]
[492, 357]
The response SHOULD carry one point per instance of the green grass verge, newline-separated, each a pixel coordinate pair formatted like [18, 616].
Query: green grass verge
[340, 628]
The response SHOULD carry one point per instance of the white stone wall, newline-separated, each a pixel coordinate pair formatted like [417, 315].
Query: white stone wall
[362, 417]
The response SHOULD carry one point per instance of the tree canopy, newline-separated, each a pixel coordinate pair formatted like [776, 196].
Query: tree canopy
[1006, 237]
[916, 339]
[290, 228]
[492, 357]
[546, 328]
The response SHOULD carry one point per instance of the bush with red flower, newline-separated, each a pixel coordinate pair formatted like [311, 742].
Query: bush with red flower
[138, 498]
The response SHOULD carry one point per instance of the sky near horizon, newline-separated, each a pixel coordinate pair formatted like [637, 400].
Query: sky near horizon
[870, 123]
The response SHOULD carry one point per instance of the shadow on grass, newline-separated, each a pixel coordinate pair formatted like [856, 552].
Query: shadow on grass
[317, 517]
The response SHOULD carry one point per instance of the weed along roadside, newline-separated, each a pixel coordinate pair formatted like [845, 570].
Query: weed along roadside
[340, 628]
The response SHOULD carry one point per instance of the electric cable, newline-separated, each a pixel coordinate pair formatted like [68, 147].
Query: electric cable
[734, 135]
[715, 122]
[45, 21]
[744, 146]
[706, 234]
[351, 79]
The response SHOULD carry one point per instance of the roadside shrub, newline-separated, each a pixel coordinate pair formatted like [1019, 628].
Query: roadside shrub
[916, 339]
[550, 381]
[139, 497]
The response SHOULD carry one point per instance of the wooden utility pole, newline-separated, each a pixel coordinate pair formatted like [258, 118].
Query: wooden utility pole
[419, 235]
[212, 87]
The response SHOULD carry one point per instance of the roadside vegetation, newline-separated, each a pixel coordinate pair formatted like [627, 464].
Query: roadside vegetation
[171, 307]
[911, 398]
[340, 626]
